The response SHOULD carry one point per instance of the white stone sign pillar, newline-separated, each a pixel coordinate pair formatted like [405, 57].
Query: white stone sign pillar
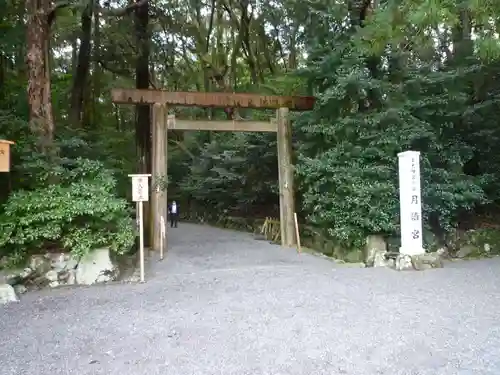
[410, 203]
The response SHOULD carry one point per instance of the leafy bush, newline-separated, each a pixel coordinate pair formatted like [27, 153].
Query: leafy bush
[234, 172]
[79, 213]
[367, 112]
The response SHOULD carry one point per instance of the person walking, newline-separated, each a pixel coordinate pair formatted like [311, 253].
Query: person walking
[173, 211]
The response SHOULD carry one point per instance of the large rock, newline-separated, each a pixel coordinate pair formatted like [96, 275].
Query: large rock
[7, 294]
[71, 280]
[20, 289]
[40, 264]
[14, 277]
[404, 262]
[375, 250]
[380, 260]
[474, 243]
[10, 277]
[56, 269]
[96, 267]
[52, 275]
[354, 256]
[466, 250]
[67, 277]
[62, 262]
[419, 262]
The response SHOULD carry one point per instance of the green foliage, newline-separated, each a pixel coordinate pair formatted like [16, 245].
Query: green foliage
[244, 164]
[367, 112]
[77, 214]
[408, 77]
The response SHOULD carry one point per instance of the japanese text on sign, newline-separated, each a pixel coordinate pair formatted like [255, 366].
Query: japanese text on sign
[410, 202]
[413, 175]
[415, 201]
[140, 189]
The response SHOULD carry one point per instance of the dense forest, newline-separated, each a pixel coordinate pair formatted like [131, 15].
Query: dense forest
[388, 76]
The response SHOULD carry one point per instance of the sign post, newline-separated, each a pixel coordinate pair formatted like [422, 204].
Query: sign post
[140, 193]
[410, 203]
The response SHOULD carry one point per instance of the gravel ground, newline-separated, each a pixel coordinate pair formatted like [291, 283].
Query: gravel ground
[223, 303]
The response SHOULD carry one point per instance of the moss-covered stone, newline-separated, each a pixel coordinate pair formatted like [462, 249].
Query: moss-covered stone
[354, 256]
[475, 243]
[330, 249]
[487, 240]
[375, 248]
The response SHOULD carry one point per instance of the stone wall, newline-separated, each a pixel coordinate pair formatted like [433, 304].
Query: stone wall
[58, 269]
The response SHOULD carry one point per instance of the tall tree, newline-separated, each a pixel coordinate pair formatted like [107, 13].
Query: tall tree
[38, 59]
[143, 118]
[80, 78]
[143, 114]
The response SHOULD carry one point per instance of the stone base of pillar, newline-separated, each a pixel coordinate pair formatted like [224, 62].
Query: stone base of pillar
[419, 262]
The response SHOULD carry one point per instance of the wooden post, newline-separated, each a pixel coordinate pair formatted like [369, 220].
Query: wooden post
[286, 187]
[280, 144]
[159, 166]
[141, 240]
[297, 233]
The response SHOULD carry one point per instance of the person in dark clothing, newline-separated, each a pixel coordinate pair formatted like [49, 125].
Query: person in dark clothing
[173, 211]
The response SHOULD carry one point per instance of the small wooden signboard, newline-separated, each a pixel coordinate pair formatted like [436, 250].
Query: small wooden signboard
[5, 155]
[140, 187]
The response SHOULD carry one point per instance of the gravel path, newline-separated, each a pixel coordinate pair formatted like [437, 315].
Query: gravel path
[223, 303]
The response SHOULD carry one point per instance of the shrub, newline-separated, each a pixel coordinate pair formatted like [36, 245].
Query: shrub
[79, 213]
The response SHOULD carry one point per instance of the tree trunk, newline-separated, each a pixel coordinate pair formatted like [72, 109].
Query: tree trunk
[96, 69]
[250, 58]
[143, 120]
[3, 68]
[96, 74]
[39, 93]
[292, 56]
[359, 11]
[463, 46]
[21, 49]
[264, 43]
[83, 66]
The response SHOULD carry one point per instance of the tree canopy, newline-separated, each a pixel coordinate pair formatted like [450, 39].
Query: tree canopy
[388, 76]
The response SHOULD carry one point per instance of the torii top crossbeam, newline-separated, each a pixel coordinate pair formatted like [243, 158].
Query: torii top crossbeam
[212, 99]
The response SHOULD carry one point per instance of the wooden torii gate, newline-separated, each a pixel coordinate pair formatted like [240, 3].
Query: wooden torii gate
[162, 122]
